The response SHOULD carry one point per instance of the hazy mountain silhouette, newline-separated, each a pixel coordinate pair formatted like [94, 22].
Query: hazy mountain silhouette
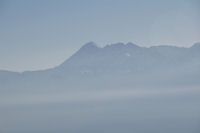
[119, 65]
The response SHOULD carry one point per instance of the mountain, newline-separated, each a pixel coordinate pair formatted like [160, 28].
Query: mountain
[116, 65]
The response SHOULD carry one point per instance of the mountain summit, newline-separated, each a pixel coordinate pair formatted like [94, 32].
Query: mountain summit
[89, 46]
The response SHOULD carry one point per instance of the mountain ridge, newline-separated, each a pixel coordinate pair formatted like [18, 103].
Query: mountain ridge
[93, 46]
[115, 64]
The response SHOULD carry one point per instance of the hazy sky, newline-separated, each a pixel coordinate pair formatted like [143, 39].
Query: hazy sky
[38, 34]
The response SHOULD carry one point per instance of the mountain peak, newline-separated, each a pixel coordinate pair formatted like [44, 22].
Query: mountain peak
[89, 45]
[130, 44]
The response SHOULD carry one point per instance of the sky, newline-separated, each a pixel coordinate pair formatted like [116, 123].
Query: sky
[40, 34]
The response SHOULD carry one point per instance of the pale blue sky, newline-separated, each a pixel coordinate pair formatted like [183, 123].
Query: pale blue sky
[38, 34]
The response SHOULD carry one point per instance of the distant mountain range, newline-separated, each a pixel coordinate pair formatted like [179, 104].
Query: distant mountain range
[117, 65]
